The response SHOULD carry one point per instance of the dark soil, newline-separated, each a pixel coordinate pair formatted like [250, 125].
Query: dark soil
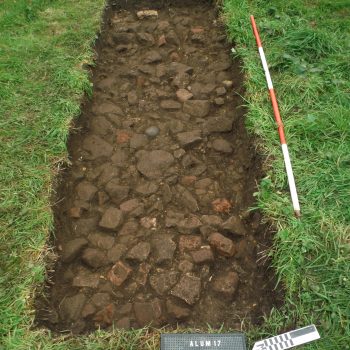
[152, 220]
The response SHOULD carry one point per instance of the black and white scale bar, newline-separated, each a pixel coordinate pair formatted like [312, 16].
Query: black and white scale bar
[288, 340]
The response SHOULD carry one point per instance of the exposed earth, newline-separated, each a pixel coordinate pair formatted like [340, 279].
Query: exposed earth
[152, 219]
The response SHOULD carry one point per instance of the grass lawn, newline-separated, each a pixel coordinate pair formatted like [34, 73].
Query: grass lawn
[44, 46]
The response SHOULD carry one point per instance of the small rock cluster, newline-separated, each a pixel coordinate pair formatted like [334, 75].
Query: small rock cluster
[153, 228]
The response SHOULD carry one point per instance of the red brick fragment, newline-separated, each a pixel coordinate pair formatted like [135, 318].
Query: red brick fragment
[221, 205]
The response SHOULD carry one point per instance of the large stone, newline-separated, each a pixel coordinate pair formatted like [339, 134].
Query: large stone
[189, 225]
[106, 83]
[187, 199]
[189, 242]
[225, 283]
[107, 108]
[181, 80]
[147, 69]
[139, 252]
[212, 220]
[119, 158]
[234, 225]
[173, 218]
[245, 248]
[111, 219]
[166, 193]
[163, 25]
[75, 212]
[163, 248]
[197, 108]
[161, 71]
[188, 289]
[183, 95]
[109, 171]
[148, 222]
[100, 299]
[142, 274]
[129, 228]
[220, 91]
[101, 240]
[145, 38]
[123, 323]
[85, 278]
[172, 38]
[147, 188]
[70, 307]
[198, 38]
[97, 147]
[116, 252]
[101, 126]
[125, 309]
[94, 258]
[223, 245]
[119, 273]
[161, 40]
[185, 266]
[222, 145]
[203, 255]
[203, 183]
[116, 191]
[105, 316]
[178, 68]
[193, 165]
[217, 124]
[188, 180]
[202, 91]
[72, 249]
[152, 57]
[133, 207]
[161, 282]
[123, 38]
[132, 98]
[177, 311]
[219, 101]
[147, 14]
[138, 141]
[219, 66]
[83, 227]
[86, 191]
[170, 105]
[148, 313]
[154, 163]
[88, 310]
[189, 138]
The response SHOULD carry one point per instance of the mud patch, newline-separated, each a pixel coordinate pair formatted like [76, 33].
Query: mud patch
[152, 220]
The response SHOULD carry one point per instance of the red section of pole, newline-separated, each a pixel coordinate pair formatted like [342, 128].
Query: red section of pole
[255, 30]
[277, 115]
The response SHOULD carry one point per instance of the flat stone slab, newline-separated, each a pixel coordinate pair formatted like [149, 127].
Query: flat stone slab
[153, 164]
[188, 289]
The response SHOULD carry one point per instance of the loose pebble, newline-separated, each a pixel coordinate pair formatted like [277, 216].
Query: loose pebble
[152, 131]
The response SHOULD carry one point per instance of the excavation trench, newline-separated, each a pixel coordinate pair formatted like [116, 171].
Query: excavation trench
[152, 219]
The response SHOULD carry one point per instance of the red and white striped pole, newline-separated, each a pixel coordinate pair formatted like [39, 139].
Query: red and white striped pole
[288, 164]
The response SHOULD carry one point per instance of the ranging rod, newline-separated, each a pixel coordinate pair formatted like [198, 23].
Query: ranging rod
[287, 162]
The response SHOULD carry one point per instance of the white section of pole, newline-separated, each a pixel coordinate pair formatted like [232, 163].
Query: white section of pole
[291, 181]
[266, 68]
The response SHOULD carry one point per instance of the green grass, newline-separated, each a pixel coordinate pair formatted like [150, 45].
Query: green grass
[306, 45]
[44, 45]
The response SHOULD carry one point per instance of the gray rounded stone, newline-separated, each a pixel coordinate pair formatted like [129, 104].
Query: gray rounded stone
[152, 131]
